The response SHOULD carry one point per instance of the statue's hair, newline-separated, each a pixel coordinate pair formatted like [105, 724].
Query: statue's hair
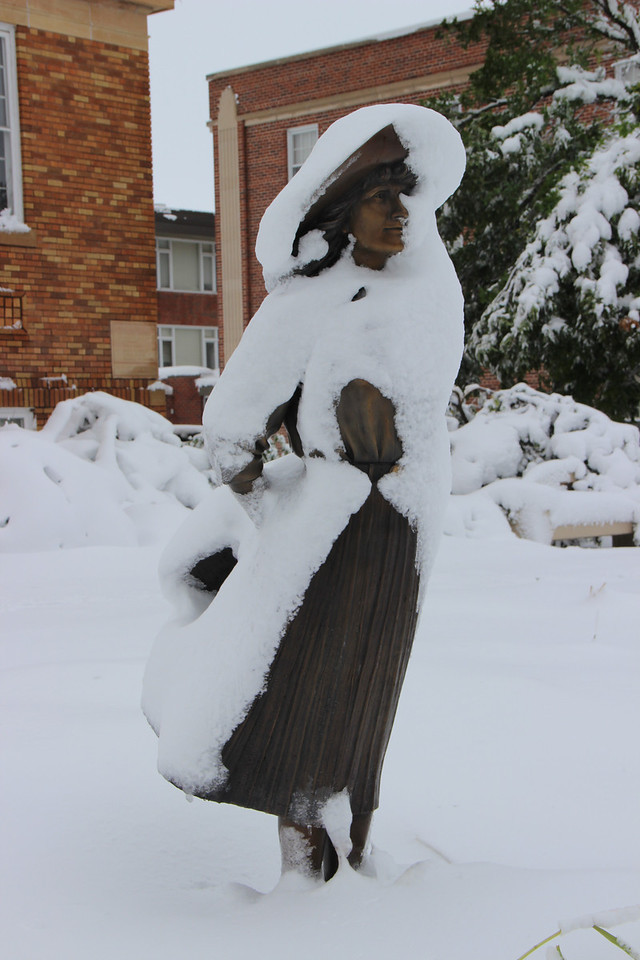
[333, 220]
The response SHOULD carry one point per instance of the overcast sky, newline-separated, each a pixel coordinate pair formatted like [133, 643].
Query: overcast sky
[200, 37]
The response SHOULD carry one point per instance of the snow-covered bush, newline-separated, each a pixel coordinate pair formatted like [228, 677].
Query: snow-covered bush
[548, 462]
[101, 471]
[546, 438]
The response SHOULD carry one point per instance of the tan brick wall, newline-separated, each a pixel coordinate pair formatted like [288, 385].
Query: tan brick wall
[110, 21]
[86, 162]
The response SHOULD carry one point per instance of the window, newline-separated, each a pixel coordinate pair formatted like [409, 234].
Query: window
[627, 71]
[10, 166]
[300, 142]
[22, 416]
[188, 266]
[188, 346]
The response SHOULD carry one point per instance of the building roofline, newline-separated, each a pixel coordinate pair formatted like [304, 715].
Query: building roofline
[375, 38]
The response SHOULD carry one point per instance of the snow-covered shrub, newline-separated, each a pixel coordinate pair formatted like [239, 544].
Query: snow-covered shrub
[545, 438]
[50, 498]
[101, 471]
[137, 444]
[547, 462]
[465, 402]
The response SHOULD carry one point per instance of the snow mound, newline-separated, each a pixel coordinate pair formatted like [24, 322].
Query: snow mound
[547, 460]
[102, 471]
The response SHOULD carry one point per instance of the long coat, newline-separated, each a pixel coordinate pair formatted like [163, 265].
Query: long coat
[210, 666]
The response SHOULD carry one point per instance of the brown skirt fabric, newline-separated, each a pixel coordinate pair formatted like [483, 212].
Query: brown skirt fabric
[323, 722]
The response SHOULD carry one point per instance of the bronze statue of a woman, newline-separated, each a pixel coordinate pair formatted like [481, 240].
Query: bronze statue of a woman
[364, 320]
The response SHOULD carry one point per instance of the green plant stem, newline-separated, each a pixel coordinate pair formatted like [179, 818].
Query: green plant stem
[618, 943]
[541, 944]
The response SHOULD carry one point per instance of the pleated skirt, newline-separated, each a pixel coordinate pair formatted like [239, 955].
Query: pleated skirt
[323, 722]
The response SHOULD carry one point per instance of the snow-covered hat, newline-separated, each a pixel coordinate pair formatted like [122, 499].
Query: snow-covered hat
[429, 144]
[382, 148]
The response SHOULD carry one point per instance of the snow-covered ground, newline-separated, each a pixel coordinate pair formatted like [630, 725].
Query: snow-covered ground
[510, 791]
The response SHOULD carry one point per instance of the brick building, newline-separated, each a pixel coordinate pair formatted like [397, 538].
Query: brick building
[79, 287]
[188, 333]
[266, 117]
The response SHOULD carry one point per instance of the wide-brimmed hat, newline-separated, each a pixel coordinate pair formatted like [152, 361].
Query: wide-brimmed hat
[350, 147]
[383, 147]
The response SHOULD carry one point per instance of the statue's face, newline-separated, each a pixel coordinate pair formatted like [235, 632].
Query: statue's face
[377, 222]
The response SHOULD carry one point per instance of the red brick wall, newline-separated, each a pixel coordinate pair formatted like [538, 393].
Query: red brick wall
[343, 70]
[191, 310]
[184, 405]
[86, 163]
[188, 309]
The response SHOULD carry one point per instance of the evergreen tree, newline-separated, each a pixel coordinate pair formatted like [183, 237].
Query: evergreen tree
[526, 128]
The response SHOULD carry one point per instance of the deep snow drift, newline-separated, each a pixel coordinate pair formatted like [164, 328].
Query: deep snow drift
[101, 471]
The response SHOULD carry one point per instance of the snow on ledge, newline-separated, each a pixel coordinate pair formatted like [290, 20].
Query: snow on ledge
[9, 223]
[159, 385]
[187, 370]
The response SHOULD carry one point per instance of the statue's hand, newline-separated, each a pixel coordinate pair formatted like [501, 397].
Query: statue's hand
[251, 499]
[244, 480]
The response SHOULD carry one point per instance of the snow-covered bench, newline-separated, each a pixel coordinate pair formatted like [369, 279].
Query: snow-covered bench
[546, 514]
[621, 533]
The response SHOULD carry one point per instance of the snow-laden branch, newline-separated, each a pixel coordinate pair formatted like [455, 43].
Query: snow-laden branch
[619, 21]
[580, 234]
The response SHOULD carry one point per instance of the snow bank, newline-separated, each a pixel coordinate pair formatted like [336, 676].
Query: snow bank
[572, 463]
[101, 471]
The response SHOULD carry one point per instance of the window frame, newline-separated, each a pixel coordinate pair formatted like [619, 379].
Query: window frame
[214, 338]
[627, 71]
[12, 130]
[292, 132]
[27, 416]
[164, 253]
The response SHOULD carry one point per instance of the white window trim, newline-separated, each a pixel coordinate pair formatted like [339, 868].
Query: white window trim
[13, 414]
[8, 33]
[291, 134]
[163, 338]
[201, 257]
[627, 71]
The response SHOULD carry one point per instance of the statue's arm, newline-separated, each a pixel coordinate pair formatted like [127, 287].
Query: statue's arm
[242, 482]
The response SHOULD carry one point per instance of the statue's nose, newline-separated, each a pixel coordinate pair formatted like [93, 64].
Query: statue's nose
[399, 211]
